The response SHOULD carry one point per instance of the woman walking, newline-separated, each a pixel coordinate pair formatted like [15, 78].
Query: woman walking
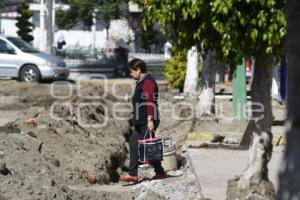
[145, 117]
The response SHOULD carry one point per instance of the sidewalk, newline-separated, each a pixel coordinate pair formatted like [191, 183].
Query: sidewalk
[215, 167]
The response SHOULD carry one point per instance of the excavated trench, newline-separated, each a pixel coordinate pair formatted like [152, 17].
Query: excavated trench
[50, 153]
[47, 149]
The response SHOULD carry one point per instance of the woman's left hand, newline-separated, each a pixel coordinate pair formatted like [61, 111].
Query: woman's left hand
[150, 125]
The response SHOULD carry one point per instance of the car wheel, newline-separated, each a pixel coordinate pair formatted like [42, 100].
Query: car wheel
[30, 73]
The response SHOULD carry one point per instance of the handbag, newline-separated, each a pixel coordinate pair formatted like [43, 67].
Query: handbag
[150, 149]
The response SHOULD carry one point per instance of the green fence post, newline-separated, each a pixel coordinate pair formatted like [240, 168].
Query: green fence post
[239, 93]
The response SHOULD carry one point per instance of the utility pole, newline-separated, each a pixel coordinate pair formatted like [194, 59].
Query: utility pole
[2, 2]
[42, 26]
[53, 15]
[1, 20]
[49, 26]
[53, 24]
[94, 29]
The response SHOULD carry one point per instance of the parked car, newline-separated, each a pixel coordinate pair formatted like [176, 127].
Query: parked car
[87, 60]
[18, 59]
[108, 66]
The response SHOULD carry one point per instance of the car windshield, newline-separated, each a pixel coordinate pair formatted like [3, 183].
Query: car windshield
[21, 44]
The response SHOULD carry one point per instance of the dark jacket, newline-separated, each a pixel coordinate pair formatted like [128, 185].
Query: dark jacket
[143, 102]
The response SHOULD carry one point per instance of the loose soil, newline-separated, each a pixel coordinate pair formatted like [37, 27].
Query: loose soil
[52, 144]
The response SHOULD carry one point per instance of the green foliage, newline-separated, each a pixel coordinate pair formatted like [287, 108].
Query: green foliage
[148, 36]
[140, 3]
[23, 23]
[175, 69]
[65, 19]
[2, 3]
[81, 11]
[108, 11]
[235, 28]
[256, 27]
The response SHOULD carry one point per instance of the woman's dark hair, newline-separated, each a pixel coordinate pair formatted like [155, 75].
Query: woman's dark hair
[137, 63]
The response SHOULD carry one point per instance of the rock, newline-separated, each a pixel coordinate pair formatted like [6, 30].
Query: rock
[231, 141]
[40, 147]
[54, 161]
[100, 178]
[30, 122]
[3, 170]
[32, 134]
[52, 183]
[218, 138]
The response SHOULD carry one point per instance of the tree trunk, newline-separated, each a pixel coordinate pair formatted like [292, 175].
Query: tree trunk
[191, 78]
[275, 82]
[220, 72]
[107, 34]
[254, 183]
[289, 184]
[206, 104]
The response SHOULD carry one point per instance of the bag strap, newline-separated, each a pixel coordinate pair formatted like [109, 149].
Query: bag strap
[149, 132]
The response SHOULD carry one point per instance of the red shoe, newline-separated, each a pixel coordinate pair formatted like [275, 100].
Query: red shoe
[129, 178]
[160, 176]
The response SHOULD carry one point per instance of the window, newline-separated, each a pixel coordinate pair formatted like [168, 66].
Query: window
[5, 48]
[21, 44]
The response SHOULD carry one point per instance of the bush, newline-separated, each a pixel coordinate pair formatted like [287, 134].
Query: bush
[175, 70]
[23, 22]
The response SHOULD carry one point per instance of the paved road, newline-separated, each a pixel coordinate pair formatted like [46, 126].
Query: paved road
[215, 166]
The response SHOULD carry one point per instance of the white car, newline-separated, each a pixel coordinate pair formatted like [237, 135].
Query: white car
[18, 59]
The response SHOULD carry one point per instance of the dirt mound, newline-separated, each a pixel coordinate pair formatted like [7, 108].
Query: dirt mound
[54, 137]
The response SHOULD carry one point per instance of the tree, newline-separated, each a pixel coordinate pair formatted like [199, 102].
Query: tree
[186, 23]
[24, 24]
[113, 13]
[289, 184]
[81, 12]
[261, 29]
[234, 30]
[108, 11]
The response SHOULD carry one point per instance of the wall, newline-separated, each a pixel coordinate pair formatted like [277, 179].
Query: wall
[72, 37]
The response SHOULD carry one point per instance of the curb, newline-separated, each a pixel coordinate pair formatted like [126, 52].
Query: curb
[108, 81]
[208, 136]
